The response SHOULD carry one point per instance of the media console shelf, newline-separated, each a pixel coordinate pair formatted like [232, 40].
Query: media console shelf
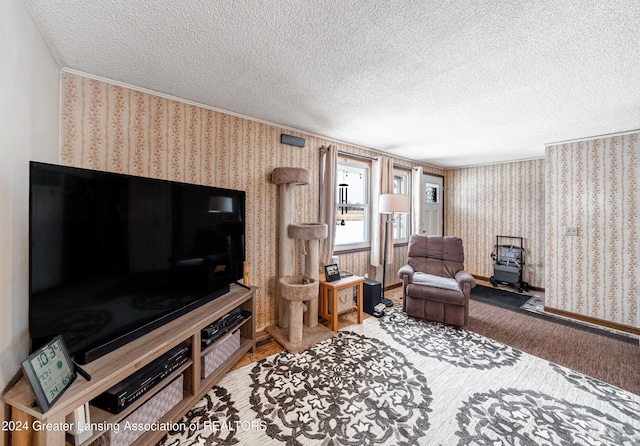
[117, 365]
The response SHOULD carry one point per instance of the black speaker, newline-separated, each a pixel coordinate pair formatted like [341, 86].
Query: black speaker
[291, 140]
[371, 294]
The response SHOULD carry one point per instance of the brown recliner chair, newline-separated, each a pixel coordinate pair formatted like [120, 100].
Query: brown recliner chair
[434, 285]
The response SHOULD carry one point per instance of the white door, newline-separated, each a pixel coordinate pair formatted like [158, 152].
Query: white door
[432, 206]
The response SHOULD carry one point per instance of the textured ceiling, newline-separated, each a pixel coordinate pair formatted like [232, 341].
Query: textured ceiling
[449, 83]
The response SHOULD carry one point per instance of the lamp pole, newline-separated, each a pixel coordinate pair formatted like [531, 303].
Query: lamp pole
[384, 300]
[390, 204]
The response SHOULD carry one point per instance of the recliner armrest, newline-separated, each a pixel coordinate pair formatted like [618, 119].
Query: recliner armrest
[463, 277]
[406, 271]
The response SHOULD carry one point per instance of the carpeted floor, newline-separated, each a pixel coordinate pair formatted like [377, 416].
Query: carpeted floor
[521, 303]
[399, 381]
[601, 354]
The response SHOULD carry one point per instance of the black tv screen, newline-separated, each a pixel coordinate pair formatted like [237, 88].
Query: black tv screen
[115, 256]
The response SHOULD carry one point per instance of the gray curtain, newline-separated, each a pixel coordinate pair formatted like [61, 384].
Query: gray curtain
[327, 211]
[382, 184]
[417, 192]
[386, 187]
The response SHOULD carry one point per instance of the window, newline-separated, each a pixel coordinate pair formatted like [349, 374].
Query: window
[352, 201]
[431, 193]
[401, 185]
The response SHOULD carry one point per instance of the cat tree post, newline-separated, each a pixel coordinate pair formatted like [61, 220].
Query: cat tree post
[286, 247]
[311, 233]
[287, 178]
[294, 290]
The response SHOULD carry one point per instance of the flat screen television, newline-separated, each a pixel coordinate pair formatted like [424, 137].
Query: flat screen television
[112, 256]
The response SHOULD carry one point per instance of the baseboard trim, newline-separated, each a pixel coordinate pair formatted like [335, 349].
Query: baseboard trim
[393, 287]
[487, 279]
[593, 320]
[263, 338]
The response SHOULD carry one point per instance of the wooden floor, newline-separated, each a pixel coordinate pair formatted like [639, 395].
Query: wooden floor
[266, 346]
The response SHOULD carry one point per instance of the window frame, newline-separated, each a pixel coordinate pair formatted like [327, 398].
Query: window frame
[403, 219]
[366, 207]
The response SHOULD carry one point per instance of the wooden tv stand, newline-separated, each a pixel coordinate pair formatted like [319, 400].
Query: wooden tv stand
[115, 366]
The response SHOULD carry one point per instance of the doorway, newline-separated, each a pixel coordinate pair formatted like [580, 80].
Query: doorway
[432, 205]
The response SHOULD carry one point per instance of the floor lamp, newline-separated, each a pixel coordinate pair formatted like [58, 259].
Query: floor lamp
[390, 204]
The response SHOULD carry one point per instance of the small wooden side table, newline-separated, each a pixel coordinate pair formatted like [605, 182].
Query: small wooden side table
[328, 299]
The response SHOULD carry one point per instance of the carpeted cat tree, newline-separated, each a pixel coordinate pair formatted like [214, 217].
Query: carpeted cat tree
[297, 294]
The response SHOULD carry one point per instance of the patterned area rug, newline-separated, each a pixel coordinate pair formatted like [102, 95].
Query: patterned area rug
[399, 381]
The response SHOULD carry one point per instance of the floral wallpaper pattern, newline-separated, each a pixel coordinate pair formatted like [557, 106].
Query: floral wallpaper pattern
[118, 129]
[499, 199]
[592, 185]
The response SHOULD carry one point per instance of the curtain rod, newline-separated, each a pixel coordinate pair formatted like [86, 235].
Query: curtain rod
[400, 166]
[368, 158]
[353, 155]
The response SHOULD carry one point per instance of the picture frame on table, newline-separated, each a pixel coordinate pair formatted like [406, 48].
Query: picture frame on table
[331, 272]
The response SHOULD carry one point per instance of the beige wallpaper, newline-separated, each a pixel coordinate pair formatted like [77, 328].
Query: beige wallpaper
[593, 185]
[499, 199]
[117, 129]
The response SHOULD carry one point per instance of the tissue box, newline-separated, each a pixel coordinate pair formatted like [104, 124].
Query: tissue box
[220, 353]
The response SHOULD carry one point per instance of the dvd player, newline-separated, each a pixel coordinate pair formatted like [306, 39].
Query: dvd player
[226, 320]
[220, 327]
[127, 391]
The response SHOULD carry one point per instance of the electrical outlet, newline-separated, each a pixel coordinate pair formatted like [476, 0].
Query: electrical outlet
[571, 231]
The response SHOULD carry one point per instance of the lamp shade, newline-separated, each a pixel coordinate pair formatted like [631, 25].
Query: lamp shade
[390, 203]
